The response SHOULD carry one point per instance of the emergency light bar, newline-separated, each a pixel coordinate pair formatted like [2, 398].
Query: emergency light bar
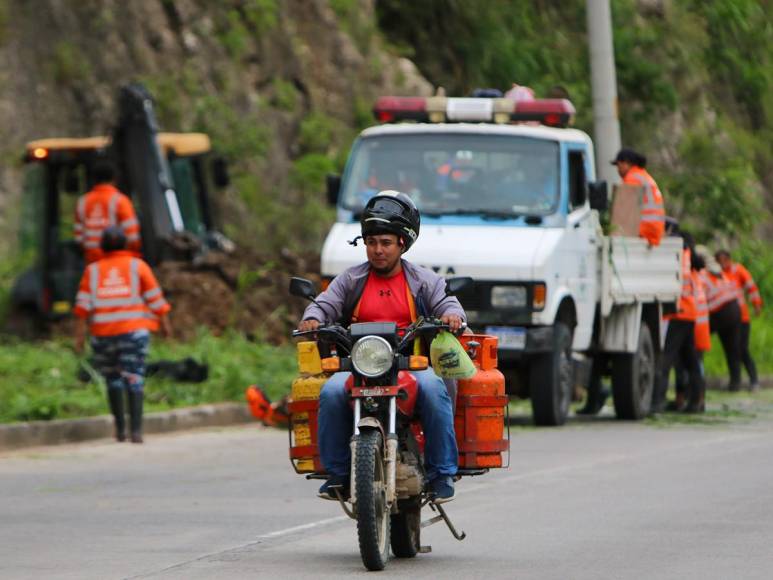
[551, 112]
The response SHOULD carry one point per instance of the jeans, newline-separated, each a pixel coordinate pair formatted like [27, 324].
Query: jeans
[121, 359]
[434, 407]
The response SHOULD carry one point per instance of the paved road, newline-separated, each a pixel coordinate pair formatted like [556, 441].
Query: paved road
[591, 500]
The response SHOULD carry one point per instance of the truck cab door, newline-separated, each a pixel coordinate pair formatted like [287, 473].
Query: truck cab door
[581, 235]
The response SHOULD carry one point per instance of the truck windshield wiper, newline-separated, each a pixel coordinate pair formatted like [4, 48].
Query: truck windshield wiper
[486, 213]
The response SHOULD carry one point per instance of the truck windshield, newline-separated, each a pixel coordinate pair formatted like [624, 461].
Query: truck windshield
[447, 174]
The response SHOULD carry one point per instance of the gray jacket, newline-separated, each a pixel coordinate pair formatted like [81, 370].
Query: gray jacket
[341, 297]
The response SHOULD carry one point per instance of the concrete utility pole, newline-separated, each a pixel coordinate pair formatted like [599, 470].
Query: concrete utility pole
[606, 127]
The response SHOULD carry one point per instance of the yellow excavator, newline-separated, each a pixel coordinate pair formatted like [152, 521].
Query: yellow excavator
[168, 176]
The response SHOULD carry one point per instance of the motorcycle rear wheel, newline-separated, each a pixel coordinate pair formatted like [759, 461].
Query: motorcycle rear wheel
[373, 521]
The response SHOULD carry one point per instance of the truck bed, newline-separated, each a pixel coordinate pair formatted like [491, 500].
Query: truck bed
[632, 272]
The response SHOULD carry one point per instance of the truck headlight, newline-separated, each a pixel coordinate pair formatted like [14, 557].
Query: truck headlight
[508, 296]
[372, 356]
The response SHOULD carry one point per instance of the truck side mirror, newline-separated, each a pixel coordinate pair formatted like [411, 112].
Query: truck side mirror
[458, 285]
[333, 182]
[220, 173]
[302, 288]
[597, 193]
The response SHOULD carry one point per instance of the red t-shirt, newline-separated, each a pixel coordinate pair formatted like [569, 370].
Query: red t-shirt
[385, 300]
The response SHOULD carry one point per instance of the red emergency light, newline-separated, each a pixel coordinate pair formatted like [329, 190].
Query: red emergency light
[551, 112]
[390, 109]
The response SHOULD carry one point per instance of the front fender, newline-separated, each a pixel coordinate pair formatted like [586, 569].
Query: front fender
[548, 315]
[371, 423]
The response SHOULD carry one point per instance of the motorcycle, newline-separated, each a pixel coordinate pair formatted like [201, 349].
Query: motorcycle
[387, 490]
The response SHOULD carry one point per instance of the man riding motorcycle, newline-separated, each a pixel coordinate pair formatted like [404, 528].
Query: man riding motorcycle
[387, 288]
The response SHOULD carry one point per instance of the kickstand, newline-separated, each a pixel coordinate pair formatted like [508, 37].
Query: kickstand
[442, 517]
[345, 507]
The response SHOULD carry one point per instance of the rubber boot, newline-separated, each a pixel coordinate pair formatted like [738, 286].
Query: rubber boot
[697, 404]
[135, 415]
[115, 398]
[677, 405]
[594, 401]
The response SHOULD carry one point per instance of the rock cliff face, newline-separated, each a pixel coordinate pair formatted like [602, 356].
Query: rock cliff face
[272, 81]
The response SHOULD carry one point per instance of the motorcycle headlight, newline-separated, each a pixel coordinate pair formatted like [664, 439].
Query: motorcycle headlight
[372, 356]
[508, 296]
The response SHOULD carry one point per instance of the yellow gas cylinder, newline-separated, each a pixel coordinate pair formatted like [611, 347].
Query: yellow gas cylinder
[479, 421]
[304, 407]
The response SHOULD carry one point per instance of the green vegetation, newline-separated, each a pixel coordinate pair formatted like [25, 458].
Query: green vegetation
[4, 19]
[695, 84]
[69, 64]
[39, 380]
[262, 15]
[285, 95]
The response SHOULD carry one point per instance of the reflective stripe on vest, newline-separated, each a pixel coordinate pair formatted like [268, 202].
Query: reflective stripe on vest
[89, 233]
[652, 204]
[121, 316]
[134, 298]
[718, 293]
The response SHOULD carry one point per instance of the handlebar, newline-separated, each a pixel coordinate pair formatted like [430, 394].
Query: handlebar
[340, 336]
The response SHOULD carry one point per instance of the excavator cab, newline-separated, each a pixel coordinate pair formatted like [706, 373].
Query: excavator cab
[168, 176]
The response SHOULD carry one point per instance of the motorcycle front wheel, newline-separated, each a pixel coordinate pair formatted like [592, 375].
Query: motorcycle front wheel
[372, 510]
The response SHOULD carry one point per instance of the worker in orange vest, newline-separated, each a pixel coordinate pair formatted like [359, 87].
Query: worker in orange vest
[747, 289]
[102, 207]
[119, 303]
[702, 334]
[724, 314]
[680, 342]
[631, 168]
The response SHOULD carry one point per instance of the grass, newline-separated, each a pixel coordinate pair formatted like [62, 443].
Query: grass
[760, 345]
[38, 381]
[723, 409]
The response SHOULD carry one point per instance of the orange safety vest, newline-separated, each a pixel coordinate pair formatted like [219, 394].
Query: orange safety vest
[746, 288]
[702, 328]
[653, 215]
[119, 294]
[100, 208]
[687, 310]
[719, 290]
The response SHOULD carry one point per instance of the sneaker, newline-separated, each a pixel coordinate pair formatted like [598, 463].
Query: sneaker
[335, 482]
[754, 387]
[442, 489]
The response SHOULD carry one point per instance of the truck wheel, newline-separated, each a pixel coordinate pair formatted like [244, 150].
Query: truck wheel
[633, 378]
[551, 380]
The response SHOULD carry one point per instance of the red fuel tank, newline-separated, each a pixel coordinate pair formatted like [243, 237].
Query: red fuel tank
[480, 408]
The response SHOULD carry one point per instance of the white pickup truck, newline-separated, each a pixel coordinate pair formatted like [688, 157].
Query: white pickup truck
[516, 207]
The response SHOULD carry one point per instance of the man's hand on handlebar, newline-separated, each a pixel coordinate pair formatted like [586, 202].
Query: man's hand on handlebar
[309, 324]
[453, 321]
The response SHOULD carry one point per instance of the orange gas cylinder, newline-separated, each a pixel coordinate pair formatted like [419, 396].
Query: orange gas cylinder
[303, 407]
[480, 408]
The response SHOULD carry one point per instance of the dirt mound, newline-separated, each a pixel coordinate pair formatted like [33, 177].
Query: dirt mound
[240, 290]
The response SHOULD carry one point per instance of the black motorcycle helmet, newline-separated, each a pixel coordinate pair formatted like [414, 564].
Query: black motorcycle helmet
[391, 212]
[113, 239]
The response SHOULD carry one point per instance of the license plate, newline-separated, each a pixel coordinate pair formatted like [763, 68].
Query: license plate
[510, 337]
